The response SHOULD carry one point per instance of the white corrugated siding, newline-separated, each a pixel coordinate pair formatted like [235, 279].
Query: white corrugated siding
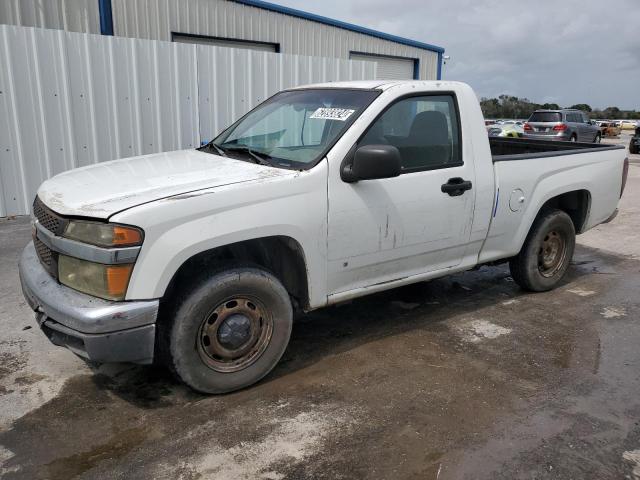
[71, 15]
[70, 99]
[156, 19]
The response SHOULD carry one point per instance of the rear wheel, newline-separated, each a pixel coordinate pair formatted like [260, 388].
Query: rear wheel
[546, 253]
[598, 138]
[230, 331]
[573, 138]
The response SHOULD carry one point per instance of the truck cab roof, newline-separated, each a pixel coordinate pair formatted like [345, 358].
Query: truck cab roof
[376, 84]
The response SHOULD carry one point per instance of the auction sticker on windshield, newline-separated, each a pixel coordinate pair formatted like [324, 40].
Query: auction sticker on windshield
[340, 114]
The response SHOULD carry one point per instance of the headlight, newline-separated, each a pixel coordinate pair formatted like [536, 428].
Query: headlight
[103, 234]
[105, 281]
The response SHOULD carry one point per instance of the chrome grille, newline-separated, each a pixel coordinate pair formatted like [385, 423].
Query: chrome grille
[46, 217]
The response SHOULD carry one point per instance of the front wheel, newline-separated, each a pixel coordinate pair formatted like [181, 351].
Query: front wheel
[598, 138]
[546, 253]
[230, 331]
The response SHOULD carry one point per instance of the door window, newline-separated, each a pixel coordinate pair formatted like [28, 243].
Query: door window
[424, 129]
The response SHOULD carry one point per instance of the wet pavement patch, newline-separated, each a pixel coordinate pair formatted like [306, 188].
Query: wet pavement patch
[428, 381]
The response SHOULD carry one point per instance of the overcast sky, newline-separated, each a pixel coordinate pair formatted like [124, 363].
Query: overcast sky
[573, 51]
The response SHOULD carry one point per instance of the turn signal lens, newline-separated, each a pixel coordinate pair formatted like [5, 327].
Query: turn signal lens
[103, 234]
[118, 279]
[105, 281]
[126, 236]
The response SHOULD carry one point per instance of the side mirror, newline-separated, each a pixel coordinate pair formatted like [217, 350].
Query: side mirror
[372, 162]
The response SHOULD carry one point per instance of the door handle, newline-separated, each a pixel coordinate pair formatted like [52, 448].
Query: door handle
[456, 186]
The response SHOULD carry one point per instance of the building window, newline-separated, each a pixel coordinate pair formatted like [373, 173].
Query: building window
[225, 42]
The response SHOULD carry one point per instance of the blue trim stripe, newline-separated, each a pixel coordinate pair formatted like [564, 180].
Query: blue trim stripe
[337, 23]
[439, 74]
[106, 17]
[416, 69]
[495, 209]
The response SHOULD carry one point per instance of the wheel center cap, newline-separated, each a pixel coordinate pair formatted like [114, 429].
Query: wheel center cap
[234, 331]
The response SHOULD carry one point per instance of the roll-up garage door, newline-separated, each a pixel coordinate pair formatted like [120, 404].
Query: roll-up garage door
[389, 68]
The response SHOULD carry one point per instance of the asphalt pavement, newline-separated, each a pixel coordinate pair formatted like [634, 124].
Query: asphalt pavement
[466, 377]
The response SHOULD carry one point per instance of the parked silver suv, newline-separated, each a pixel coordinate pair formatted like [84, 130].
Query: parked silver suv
[564, 125]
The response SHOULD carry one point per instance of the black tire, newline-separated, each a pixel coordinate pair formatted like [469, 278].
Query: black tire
[534, 268]
[598, 138]
[573, 138]
[632, 148]
[184, 346]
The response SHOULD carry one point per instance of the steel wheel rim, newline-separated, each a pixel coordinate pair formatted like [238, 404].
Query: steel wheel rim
[551, 254]
[232, 353]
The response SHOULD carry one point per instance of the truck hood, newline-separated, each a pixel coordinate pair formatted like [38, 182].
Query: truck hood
[104, 189]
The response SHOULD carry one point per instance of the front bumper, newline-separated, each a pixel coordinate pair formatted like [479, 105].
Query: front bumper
[98, 330]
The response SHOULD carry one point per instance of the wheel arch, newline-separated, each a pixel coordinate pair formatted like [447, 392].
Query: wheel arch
[575, 203]
[283, 256]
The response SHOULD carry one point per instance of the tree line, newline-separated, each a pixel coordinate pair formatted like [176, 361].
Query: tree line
[507, 106]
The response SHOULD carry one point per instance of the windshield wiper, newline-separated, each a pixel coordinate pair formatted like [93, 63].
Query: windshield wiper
[258, 157]
[217, 149]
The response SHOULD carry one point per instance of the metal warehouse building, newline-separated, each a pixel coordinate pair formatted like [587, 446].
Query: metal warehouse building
[249, 24]
[87, 81]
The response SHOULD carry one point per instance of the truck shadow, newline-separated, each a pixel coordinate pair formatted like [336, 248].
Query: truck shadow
[426, 306]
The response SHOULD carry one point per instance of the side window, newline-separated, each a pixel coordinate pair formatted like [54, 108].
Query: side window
[424, 129]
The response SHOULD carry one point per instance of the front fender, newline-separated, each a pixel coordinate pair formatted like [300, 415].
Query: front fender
[176, 229]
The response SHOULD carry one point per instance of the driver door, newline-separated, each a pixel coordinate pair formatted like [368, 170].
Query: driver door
[388, 229]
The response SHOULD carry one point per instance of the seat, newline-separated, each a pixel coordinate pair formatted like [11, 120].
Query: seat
[427, 144]
[429, 128]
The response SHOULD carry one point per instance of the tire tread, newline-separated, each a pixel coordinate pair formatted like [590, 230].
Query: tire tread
[518, 264]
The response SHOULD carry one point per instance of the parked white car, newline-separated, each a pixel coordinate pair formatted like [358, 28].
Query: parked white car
[199, 258]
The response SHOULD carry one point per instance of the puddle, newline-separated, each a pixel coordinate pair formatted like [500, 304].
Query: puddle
[117, 447]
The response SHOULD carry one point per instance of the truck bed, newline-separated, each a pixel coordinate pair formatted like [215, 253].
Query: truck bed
[503, 149]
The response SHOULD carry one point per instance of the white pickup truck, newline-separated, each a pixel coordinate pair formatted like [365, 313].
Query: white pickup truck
[199, 258]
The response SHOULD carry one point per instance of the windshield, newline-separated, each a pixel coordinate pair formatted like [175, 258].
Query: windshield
[295, 128]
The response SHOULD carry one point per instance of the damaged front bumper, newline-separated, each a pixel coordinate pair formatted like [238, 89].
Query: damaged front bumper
[95, 329]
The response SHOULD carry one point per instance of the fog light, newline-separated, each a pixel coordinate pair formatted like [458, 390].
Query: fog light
[105, 281]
